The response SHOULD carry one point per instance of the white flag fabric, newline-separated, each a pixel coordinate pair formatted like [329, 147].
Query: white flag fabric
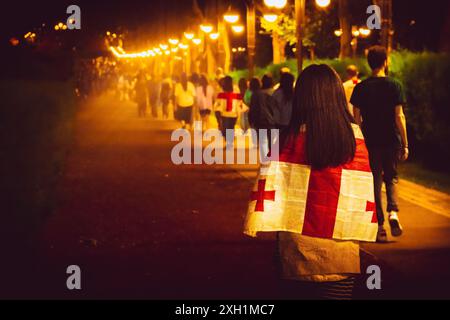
[334, 203]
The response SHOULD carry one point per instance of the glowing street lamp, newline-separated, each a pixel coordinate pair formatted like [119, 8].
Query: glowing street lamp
[197, 41]
[356, 33]
[237, 29]
[206, 28]
[189, 35]
[231, 17]
[338, 32]
[364, 32]
[323, 3]
[174, 41]
[214, 36]
[270, 17]
[183, 46]
[163, 46]
[279, 4]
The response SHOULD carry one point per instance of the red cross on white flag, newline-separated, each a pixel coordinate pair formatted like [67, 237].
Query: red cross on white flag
[335, 203]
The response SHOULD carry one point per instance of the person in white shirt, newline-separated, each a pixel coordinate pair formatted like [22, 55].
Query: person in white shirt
[184, 98]
[205, 100]
[229, 103]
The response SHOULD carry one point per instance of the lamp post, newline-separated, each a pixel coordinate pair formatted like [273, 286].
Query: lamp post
[251, 37]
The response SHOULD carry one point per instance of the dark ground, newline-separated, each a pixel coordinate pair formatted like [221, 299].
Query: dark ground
[141, 227]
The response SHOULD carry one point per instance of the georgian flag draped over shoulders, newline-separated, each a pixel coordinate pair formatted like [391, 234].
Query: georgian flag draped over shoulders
[334, 203]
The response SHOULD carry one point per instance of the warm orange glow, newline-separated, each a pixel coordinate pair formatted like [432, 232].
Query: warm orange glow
[231, 17]
[364, 32]
[206, 28]
[323, 3]
[270, 17]
[238, 29]
[196, 41]
[189, 35]
[279, 4]
[183, 46]
[173, 41]
[163, 46]
[214, 36]
[338, 33]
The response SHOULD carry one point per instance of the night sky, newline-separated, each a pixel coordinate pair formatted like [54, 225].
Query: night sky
[172, 16]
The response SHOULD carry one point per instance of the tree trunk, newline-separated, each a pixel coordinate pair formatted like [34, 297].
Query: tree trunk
[346, 37]
[276, 47]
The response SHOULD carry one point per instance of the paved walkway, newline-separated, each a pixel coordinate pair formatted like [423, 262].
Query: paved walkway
[141, 227]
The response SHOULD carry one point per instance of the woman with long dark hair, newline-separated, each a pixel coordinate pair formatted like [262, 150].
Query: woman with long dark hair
[320, 188]
[284, 95]
[320, 114]
[184, 97]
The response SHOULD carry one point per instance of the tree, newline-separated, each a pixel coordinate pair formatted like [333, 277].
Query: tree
[345, 25]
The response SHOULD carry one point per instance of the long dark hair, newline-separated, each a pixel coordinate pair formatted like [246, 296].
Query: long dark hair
[255, 85]
[320, 104]
[184, 81]
[203, 82]
[267, 82]
[287, 85]
[227, 84]
[242, 84]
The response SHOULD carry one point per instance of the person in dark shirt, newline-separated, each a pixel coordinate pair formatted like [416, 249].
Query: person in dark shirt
[378, 108]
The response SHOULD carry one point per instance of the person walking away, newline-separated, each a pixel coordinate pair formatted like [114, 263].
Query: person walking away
[165, 95]
[218, 87]
[229, 104]
[253, 87]
[141, 93]
[284, 96]
[184, 98]
[378, 107]
[243, 115]
[350, 84]
[205, 100]
[153, 89]
[299, 194]
[262, 114]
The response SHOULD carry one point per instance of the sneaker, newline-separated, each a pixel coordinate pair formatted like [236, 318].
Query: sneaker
[382, 235]
[394, 222]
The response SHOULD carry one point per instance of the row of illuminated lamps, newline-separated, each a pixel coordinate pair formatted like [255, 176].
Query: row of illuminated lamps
[361, 32]
[229, 17]
[63, 26]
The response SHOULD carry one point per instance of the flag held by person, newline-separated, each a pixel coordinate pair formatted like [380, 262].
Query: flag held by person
[333, 203]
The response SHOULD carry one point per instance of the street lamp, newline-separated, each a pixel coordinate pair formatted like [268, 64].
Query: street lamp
[230, 16]
[238, 28]
[206, 28]
[279, 4]
[189, 35]
[323, 3]
[174, 42]
[270, 17]
[197, 41]
[214, 36]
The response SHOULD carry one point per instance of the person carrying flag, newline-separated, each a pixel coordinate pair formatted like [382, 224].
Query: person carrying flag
[317, 195]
